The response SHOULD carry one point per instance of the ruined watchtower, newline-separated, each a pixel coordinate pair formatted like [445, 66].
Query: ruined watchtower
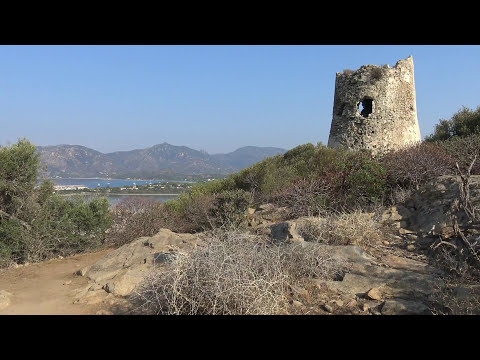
[375, 108]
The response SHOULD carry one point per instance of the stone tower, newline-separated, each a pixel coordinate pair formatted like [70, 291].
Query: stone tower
[375, 108]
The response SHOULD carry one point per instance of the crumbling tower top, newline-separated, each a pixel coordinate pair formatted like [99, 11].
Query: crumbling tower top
[375, 108]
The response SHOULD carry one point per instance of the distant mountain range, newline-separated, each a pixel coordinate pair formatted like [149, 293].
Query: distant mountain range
[159, 161]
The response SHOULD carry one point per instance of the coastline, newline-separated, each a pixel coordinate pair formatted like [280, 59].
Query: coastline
[120, 194]
[79, 178]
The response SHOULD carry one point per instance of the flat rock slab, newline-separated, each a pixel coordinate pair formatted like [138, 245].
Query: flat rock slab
[123, 269]
[401, 263]
[350, 253]
[379, 283]
[355, 284]
[404, 307]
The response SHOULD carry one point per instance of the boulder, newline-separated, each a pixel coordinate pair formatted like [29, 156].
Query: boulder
[375, 293]
[285, 232]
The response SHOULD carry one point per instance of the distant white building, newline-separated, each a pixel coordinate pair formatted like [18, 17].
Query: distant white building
[69, 187]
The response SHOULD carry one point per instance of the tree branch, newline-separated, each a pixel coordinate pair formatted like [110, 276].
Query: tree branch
[23, 223]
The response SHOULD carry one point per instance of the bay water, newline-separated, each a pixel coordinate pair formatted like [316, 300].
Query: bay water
[116, 198]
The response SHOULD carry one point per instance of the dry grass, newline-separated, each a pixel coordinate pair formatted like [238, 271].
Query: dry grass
[355, 228]
[400, 195]
[237, 273]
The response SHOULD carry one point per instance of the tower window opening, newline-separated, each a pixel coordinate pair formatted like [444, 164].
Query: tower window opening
[365, 107]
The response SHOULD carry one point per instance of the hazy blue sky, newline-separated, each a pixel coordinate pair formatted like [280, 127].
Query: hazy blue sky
[215, 98]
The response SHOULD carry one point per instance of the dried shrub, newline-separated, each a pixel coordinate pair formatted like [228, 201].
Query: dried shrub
[399, 194]
[306, 197]
[459, 255]
[456, 298]
[377, 73]
[463, 150]
[197, 216]
[313, 229]
[415, 165]
[236, 273]
[356, 228]
[137, 217]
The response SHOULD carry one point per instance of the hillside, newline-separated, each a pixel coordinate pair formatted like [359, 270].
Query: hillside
[156, 161]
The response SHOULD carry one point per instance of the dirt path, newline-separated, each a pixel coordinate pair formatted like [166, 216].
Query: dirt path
[48, 288]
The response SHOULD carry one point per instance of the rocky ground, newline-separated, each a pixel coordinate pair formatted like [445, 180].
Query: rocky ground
[390, 277]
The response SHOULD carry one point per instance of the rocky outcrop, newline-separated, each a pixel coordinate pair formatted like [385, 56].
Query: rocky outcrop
[384, 284]
[428, 211]
[123, 269]
[292, 230]
[390, 285]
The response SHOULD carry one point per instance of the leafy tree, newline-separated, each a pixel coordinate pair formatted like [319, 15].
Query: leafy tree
[463, 123]
[19, 166]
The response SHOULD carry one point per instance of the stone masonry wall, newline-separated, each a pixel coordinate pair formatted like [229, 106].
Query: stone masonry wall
[389, 117]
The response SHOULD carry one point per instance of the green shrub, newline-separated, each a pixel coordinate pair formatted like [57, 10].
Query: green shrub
[197, 215]
[199, 212]
[355, 177]
[263, 178]
[229, 208]
[269, 176]
[186, 200]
